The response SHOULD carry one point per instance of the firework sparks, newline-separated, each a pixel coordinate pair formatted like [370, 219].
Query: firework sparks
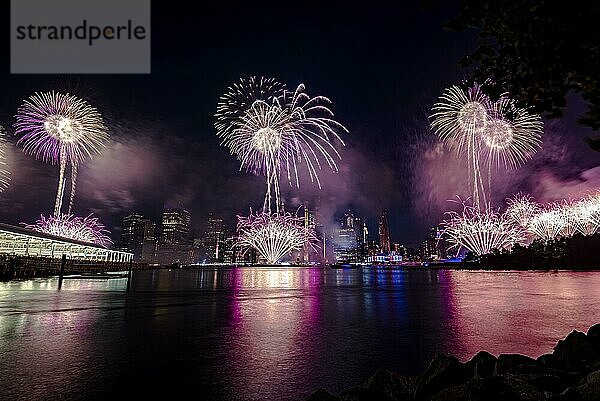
[272, 130]
[481, 231]
[587, 215]
[273, 235]
[522, 209]
[4, 173]
[471, 124]
[85, 229]
[512, 136]
[59, 129]
[238, 99]
[558, 219]
[548, 224]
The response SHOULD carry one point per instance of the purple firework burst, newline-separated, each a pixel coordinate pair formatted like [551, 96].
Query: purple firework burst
[84, 229]
[60, 128]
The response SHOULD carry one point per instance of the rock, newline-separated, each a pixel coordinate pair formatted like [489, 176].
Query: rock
[546, 360]
[494, 388]
[546, 382]
[594, 332]
[513, 363]
[455, 393]
[391, 386]
[443, 371]
[588, 390]
[322, 395]
[359, 393]
[593, 336]
[481, 365]
[574, 351]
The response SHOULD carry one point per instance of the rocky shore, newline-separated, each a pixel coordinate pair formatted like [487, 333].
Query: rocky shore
[570, 373]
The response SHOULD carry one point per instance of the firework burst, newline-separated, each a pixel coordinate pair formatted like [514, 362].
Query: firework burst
[85, 229]
[522, 209]
[238, 99]
[481, 231]
[272, 130]
[473, 125]
[59, 129]
[548, 224]
[273, 235]
[512, 134]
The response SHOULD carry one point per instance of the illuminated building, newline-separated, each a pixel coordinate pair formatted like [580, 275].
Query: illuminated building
[175, 228]
[350, 239]
[213, 239]
[20, 241]
[138, 237]
[384, 234]
[174, 241]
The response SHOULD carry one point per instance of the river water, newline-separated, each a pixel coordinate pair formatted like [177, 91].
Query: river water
[271, 333]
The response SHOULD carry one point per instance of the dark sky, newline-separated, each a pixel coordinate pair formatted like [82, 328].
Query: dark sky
[383, 65]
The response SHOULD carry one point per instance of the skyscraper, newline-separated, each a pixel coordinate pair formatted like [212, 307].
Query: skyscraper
[384, 233]
[175, 228]
[350, 238]
[309, 224]
[213, 238]
[132, 234]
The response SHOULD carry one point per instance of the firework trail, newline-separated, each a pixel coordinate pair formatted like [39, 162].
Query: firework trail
[273, 235]
[59, 129]
[84, 229]
[4, 173]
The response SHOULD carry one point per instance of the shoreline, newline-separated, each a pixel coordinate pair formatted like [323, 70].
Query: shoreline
[8, 274]
[570, 373]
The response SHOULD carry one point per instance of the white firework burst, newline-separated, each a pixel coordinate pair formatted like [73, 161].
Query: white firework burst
[481, 231]
[512, 135]
[273, 235]
[277, 134]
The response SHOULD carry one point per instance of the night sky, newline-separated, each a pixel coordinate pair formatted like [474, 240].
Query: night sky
[382, 65]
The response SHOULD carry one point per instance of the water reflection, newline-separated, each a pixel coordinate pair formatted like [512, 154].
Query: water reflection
[272, 334]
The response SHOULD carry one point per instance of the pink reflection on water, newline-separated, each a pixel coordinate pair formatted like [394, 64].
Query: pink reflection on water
[272, 311]
[497, 313]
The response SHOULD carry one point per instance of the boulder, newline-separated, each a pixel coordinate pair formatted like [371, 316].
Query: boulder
[358, 393]
[547, 382]
[587, 390]
[574, 351]
[390, 386]
[515, 363]
[481, 365]
[546, 360]
[593, 336]
[322, 395]
[594, 332]
[494, 388]
[443, 372]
